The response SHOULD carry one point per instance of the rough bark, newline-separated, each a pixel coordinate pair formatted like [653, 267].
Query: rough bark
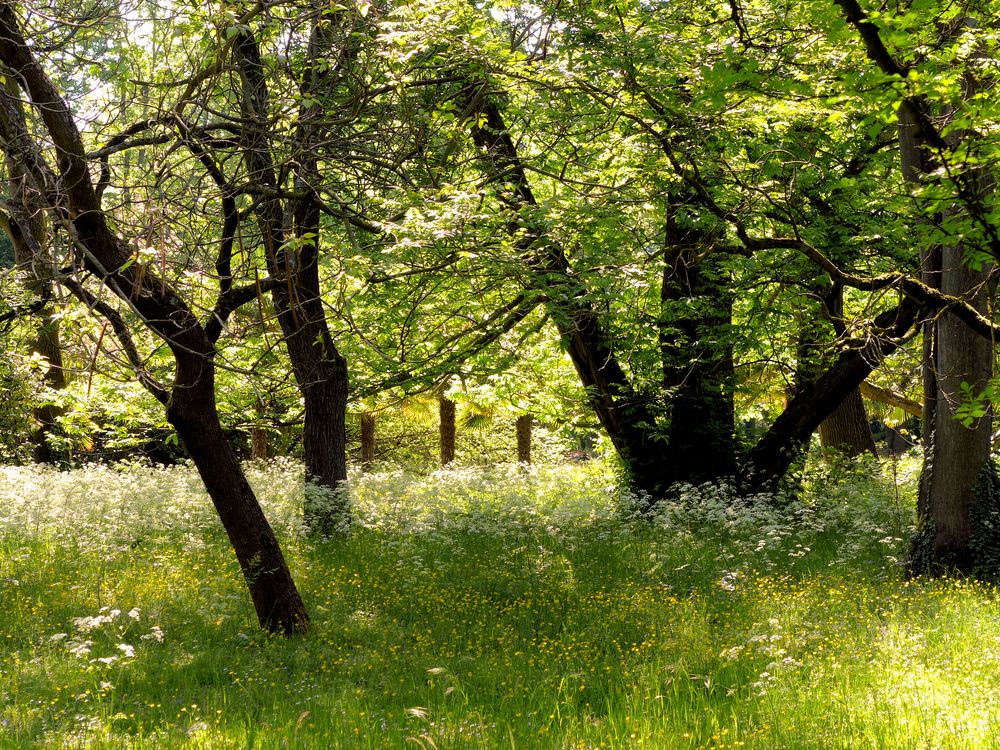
[847, 429]
[72, 201]
[956, 457]
[957, 481]
[523, 428]
[446, 429]
[368, 425]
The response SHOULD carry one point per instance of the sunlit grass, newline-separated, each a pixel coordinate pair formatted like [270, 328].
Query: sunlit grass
[486, 609]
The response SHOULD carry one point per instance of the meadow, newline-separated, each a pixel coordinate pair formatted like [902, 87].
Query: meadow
[487, 608]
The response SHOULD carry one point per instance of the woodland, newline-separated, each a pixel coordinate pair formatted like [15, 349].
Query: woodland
[523, 362]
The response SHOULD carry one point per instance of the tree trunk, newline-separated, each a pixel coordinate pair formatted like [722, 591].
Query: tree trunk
[523, 427]
[774, 453]
[192, 412]
[446, 428]
[292, 257]
[958, 481]
[954, 479]
[258, 444]
[847, 429]
[368, 422]
[697, 360]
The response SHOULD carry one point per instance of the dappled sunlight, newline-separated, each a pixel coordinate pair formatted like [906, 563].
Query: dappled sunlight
[478, 608]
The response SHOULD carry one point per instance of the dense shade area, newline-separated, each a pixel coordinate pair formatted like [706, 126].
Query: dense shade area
[484, 609]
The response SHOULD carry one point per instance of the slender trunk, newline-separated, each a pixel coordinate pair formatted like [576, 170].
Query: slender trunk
[626, 416]
[292, 256]
[523, 427]
[368, 422]
[191, 406]
[446, 428]
[192, 412]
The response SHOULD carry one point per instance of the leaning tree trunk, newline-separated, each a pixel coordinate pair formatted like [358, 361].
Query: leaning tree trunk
[446, 429]
[192, 412]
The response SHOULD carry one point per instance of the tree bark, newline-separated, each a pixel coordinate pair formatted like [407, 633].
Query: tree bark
[192, 412]
[258, 444]
[847, 429]
[697, 360]
[523, 428]
[957, 476]
[446, 429]
[292, 258]
[625, 415]
[368, 424]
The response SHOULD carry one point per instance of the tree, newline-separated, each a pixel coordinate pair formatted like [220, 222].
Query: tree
[957, 498]
[70, 198]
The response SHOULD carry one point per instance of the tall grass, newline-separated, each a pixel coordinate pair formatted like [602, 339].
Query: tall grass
[503, 608]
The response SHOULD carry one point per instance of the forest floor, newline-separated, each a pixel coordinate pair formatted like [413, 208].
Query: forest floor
[502, 608]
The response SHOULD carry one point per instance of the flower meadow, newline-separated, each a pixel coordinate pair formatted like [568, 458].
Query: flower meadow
[506, 607]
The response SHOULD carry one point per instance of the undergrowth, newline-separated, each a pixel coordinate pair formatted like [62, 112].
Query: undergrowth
[487, 608]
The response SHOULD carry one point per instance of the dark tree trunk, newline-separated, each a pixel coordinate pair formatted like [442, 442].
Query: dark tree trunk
[625, 415]
[192, 412]
[446, 429]
[191, 407]
[697, 358]
[774, 453]
[523, 427]
[847, 429]
[292, 258]
[956, 457]
[368, 423]
[957, 477]
[954, 478]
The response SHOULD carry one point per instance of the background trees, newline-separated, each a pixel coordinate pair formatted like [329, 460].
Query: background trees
[726, 218]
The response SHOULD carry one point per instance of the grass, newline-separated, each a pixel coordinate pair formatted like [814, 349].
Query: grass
[486, 609]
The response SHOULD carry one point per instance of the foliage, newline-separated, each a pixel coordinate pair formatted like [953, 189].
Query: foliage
[19, 383]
